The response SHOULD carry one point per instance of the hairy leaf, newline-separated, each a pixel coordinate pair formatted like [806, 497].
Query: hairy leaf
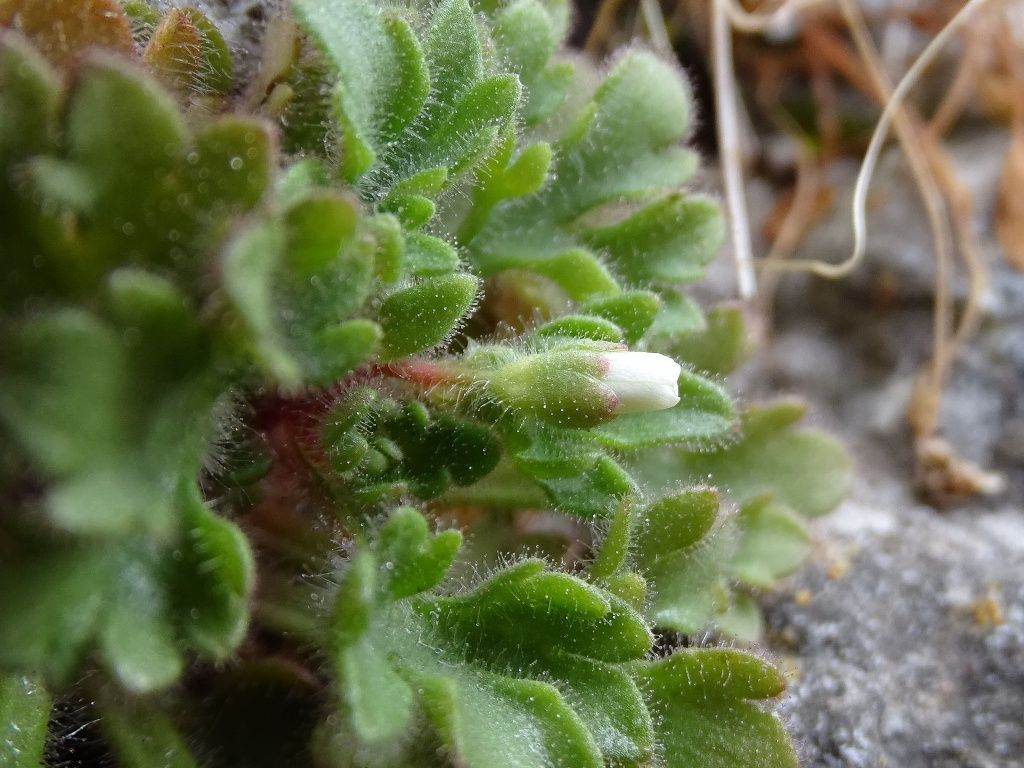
[702, 700]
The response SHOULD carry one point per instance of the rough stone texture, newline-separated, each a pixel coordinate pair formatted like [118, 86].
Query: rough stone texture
[900, 656]
[905, 632]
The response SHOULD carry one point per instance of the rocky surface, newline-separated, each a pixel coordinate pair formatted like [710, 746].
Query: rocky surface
[904, 635]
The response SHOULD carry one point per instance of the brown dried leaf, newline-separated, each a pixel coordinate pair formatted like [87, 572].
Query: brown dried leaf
[175, 53]
[63, 30]
[1010, 202]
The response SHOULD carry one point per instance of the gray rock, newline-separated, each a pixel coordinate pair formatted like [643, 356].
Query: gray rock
[905, 632]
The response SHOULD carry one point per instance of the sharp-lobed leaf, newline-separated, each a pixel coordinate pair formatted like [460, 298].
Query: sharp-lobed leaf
[519, 672]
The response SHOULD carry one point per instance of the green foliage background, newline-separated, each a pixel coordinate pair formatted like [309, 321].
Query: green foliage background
[267, 346]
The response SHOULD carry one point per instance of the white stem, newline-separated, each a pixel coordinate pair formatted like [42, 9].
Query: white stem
[729, 149]
[867, 169]
[745, 21]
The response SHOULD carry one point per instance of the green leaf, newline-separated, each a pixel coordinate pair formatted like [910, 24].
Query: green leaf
[576, 271]
[52, 365]
[610, 705]
[674, 523]
[425, 314]
[248, 270]
[293, 281]
[715, 674]
[344, 346]
[29, 100]
[412, 210]
[519, 672]
[497, 177]
[477, 119]
[595, 492]
[527, 172]
[108, 482]
[299, 179]
[381, 78]
[111, 498]
[411, 79]
[526, 36]
[703, 417]
[469, 450]
[426, 255]
[137, 637]
[688, 586]
[773, 542]
[143, 737]
[126, 137]
[623, 147]
[526, 608]
[742, 620]
[642, 111]
[632, 311]
[699, 699]
[805, 469]
[719, 346]
[213, 577]
[230, 166]
[414, 560]
[546, 451]
[389, 245]
[482, 719]
[50, 605]
[678, 315]
[24, 714]
[615, 544]
[319, 227]
[453, 53]
[669, 241]
[578, 327]
[142, 603]
[379, 701]
[627, 142]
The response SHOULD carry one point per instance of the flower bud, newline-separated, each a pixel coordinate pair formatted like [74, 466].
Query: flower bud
[586, 387]
[642, 381]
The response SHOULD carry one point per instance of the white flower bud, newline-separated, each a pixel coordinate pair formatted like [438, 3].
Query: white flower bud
[642, 381]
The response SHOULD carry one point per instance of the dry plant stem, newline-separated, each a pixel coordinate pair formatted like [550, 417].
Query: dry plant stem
[934, 209]
[795, 223]
[961, 207]
[827, 107]
[745, 21]
[657, 32]
[958, 199]
[730, 149]
[962, 88]
[604, 25]
[924, 147]
[1013, 62]
[867, 170]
